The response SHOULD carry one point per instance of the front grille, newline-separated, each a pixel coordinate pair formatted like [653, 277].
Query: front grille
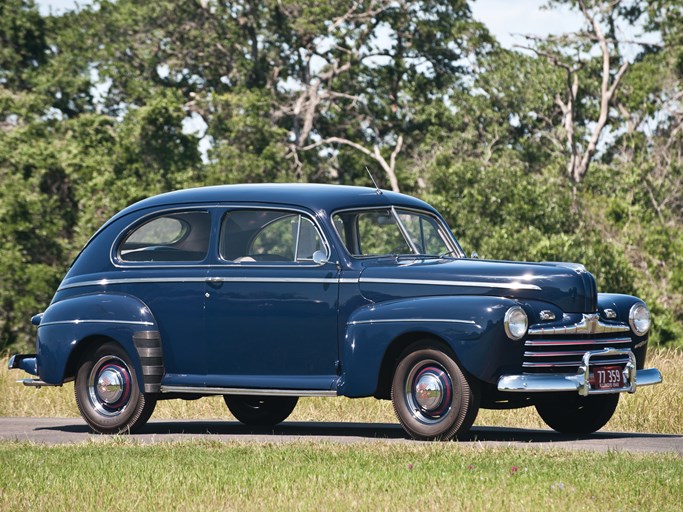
[564, 353]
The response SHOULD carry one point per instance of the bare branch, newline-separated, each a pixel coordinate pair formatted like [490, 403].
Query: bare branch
[375, 154]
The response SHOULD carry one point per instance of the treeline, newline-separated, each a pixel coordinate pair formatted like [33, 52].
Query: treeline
[568, 149]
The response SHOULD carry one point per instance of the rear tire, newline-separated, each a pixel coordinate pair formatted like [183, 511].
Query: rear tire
[577, 414]
[108, 394]
[260, 410]
[432, 397]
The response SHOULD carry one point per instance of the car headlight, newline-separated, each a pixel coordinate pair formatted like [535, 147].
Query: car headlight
[639, 318]
[516, 323]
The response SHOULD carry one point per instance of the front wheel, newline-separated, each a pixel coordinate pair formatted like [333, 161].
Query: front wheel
[260, 410]
[578, 414]
[432, 397]
[107, 392]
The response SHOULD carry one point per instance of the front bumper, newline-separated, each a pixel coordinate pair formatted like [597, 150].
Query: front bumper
[581, 382]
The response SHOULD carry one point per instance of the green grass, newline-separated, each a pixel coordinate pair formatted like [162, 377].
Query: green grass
[122, 475]
[657, 409]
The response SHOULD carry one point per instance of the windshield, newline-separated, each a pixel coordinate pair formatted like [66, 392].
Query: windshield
[392, 231]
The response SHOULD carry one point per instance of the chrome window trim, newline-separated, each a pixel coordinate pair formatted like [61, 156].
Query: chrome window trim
[118, 240]
[222, 263]
[461, 284]
[256, 264]
[446, 234]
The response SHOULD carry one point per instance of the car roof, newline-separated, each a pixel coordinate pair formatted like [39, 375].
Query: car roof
[315, 197]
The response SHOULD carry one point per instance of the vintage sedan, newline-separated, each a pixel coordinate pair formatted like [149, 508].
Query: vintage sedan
[267, 293]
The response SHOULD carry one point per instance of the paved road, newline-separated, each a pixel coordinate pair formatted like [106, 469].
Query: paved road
[74, 430]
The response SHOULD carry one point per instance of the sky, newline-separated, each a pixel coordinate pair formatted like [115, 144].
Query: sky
[504, 18]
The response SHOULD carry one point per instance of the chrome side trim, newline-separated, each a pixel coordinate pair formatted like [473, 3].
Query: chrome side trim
[589, 324]
[105, 282]
[467, 284]
[93, 321]
[247, 391]
[304, 280]
[151, 280]
[398, 320]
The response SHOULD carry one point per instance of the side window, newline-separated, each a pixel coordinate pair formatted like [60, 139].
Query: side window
[182, 236]
[268, 235]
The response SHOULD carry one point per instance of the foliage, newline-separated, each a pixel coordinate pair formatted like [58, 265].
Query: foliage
[120, 100]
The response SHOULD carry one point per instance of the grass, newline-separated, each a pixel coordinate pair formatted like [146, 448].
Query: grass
[120, 474]
[657, 409]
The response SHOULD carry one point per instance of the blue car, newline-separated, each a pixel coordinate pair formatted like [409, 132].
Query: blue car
[268, 293]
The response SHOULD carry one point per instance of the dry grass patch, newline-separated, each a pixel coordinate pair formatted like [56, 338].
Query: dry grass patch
[657, 409]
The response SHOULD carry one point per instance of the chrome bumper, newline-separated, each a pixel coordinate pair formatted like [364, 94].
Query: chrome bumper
[580, 382]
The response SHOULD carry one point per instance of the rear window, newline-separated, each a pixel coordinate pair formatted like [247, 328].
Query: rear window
[182, 236]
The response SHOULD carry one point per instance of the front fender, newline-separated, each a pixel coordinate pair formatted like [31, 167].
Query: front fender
[472, 326]
[68, 325]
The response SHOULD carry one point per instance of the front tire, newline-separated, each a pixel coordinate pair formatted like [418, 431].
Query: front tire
[578, 414]
[260, 410]
[108, 394]
[432, 397]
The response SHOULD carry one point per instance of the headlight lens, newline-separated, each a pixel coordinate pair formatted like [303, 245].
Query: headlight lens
[639, 318]
[516, 323]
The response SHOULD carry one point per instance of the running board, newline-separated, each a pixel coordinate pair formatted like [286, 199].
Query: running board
[247, 391]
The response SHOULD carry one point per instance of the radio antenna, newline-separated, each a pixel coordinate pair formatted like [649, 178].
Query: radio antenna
[379, 192]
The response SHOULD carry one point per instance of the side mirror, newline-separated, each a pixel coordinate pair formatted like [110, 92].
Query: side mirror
[320, 258]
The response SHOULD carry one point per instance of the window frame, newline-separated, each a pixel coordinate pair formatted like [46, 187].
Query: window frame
[286, 210]
[395, 210]
[115, 252]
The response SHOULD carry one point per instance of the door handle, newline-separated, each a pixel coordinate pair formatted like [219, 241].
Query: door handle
[214, 282]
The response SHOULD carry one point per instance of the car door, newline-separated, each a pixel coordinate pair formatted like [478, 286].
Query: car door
[271, 303]
[163, 261]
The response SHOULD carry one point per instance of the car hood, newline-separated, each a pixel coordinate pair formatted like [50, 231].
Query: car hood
[567, 285]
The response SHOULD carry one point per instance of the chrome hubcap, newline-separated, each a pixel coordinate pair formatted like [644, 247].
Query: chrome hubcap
[109, 386]
[429, 392]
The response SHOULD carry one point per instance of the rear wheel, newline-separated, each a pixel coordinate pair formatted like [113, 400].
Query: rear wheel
[577, 414]
[432, 397]
[260, 410]
[107, 392]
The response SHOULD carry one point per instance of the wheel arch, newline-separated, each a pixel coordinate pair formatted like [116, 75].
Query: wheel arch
[393, 354]
[71, 327]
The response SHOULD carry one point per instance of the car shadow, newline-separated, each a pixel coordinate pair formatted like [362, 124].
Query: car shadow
[349, 431]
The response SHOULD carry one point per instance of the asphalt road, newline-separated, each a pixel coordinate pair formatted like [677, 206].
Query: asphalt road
[74, 430]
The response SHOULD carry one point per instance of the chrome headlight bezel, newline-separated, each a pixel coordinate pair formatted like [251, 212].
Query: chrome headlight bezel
[639, 319]
[516, 323]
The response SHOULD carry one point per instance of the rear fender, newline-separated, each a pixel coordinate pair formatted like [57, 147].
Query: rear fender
[70, 327]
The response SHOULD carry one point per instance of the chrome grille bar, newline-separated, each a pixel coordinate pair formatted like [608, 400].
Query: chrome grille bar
[565, 364]
[571, 342]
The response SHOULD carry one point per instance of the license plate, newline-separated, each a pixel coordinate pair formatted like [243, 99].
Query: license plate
[608, 377]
